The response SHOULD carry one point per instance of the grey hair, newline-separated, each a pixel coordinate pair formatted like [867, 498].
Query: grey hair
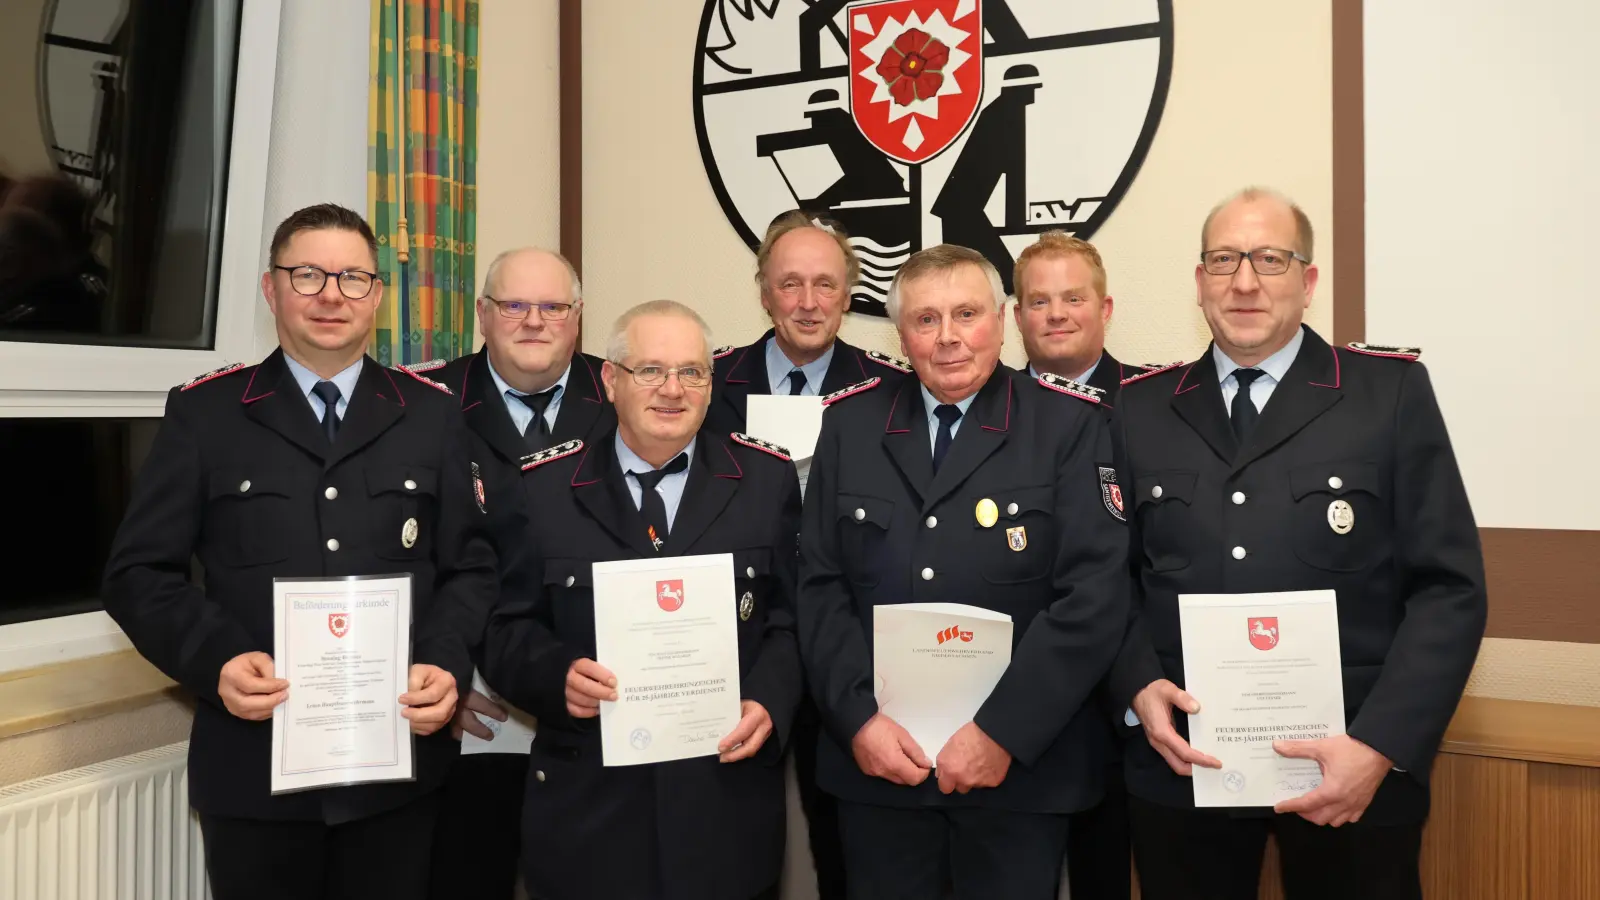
[943, 258]
[1304, 236]
[494, 270]
[617, 343]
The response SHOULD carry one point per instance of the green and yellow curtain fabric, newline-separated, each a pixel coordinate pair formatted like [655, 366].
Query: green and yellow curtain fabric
[422, 156]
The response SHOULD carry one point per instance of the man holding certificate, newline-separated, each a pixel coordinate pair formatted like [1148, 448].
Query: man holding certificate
[329, 502]
[651, 631]
[966, 484]
[1305, 561]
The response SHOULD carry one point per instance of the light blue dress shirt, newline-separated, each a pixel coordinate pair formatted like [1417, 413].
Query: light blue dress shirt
[779, 367]
[1275, 367]
[670, 488]
[931, 403]
[1081, 379]
[520, 412]
[307, 379]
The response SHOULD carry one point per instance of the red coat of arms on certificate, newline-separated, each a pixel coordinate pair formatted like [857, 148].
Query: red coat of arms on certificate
[339, 624]
[1264, 632]
[669, 594]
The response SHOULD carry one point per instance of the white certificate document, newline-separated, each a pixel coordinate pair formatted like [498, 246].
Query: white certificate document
[514, 735]
[792, 423]
[665, 627]
[1264, 667]
[344, 646]
[934, 664]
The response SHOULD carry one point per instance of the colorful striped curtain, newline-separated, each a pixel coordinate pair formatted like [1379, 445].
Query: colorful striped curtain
[422, 200]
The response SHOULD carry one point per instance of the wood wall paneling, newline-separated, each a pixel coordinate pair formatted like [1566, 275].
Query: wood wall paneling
[1563, 832]
[1475, 844]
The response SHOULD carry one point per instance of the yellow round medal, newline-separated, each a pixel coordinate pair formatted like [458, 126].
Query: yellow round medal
[988, 513]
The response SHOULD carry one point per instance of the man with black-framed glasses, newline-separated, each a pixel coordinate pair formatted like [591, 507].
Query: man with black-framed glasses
[317, 462]
[527, 389]
[1278, 463]
[659, 484]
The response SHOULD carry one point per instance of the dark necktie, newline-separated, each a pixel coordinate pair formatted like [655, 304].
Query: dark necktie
[537, 433]
[797, 383]
[1244, 412]
[650, 502]
[328, 393]
[947, 414]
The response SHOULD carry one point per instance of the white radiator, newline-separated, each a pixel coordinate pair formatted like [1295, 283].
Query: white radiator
[117, 830]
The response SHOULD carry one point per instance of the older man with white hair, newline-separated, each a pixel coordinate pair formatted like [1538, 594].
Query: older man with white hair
[659, 484]
[967, 482]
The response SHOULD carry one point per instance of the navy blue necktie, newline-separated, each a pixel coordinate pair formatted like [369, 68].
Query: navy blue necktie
[797, 383]
[328, 393]
[1243, 411]
[537, 433]
[650, 502]
[947, 414]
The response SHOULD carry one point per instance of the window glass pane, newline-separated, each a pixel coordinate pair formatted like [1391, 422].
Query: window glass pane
[115, 118]
[68, 488]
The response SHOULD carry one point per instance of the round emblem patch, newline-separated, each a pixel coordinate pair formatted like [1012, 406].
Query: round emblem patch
[1341, 517]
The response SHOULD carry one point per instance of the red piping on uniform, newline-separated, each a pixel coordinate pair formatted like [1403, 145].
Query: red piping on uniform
[581, 460]
[593, 380]
[735, 462]
[397, 395]
[1007, 426]
[247, 398]
[1181, 389]
[886, 428]
[1336, 372]
[467, 370]
[736, 364]
[862, 366]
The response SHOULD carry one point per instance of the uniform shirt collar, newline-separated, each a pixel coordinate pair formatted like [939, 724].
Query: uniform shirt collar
[1276, 366]
[779, 367]
[307, 379]
[930, 402]
[505, 388]
[632, 462]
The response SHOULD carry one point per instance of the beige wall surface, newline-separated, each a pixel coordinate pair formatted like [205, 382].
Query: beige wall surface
[653, 228]
[22, 148]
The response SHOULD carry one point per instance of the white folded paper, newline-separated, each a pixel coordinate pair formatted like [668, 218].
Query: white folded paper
[344, 645]
[514, 735]
[935, 663]
[1264, 667]
[666, 629]
[792, 423]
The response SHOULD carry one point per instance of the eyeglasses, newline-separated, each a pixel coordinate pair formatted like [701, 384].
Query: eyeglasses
[521, 309]
[655, 376]
[1266, 261]
[355, 284]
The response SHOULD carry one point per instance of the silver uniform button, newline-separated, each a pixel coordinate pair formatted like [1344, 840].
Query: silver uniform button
[410, 485]
[927, 574]
[860, 514]
[333, 544]
[750, 571]
[332, 493]
[933, 522]
[244, 486]
[539, 775]
[1335, 482]
[1011, 509]
[1238, 498]
[1238, 553]
[571, 581]
[1156, 492]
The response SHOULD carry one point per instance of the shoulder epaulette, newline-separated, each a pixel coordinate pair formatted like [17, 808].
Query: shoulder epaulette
[893, 362]
[426, 366]
[214, 373]
[1409, 354]
[756, 443]
[720, 352]
[551, 454]
[1071, 388]
[858, 387]
[1153, 370]
[427, 381]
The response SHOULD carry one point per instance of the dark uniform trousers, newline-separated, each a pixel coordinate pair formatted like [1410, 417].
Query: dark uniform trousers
[1346, 430]
[480, 812]
[242, 477]
[882, 527]
[694, 829]
[741, 372]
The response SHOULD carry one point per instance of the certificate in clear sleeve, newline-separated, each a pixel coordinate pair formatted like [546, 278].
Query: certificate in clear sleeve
[344, 646]
[1264, 667]
[666, 629]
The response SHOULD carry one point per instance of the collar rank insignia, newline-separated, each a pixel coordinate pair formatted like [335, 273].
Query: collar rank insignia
[427, 366]
[1152, 370]
[1071, 388]
[1409, 354]
[551, 454]
[720, 352]
[858, 387]
[214, 373]
[756, 443]
[427, 381]
[893, 362]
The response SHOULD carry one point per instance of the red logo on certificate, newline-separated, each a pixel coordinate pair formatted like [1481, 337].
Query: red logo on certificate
[953, 632]
[339, 624]
[1264, 633]
[669, 595]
